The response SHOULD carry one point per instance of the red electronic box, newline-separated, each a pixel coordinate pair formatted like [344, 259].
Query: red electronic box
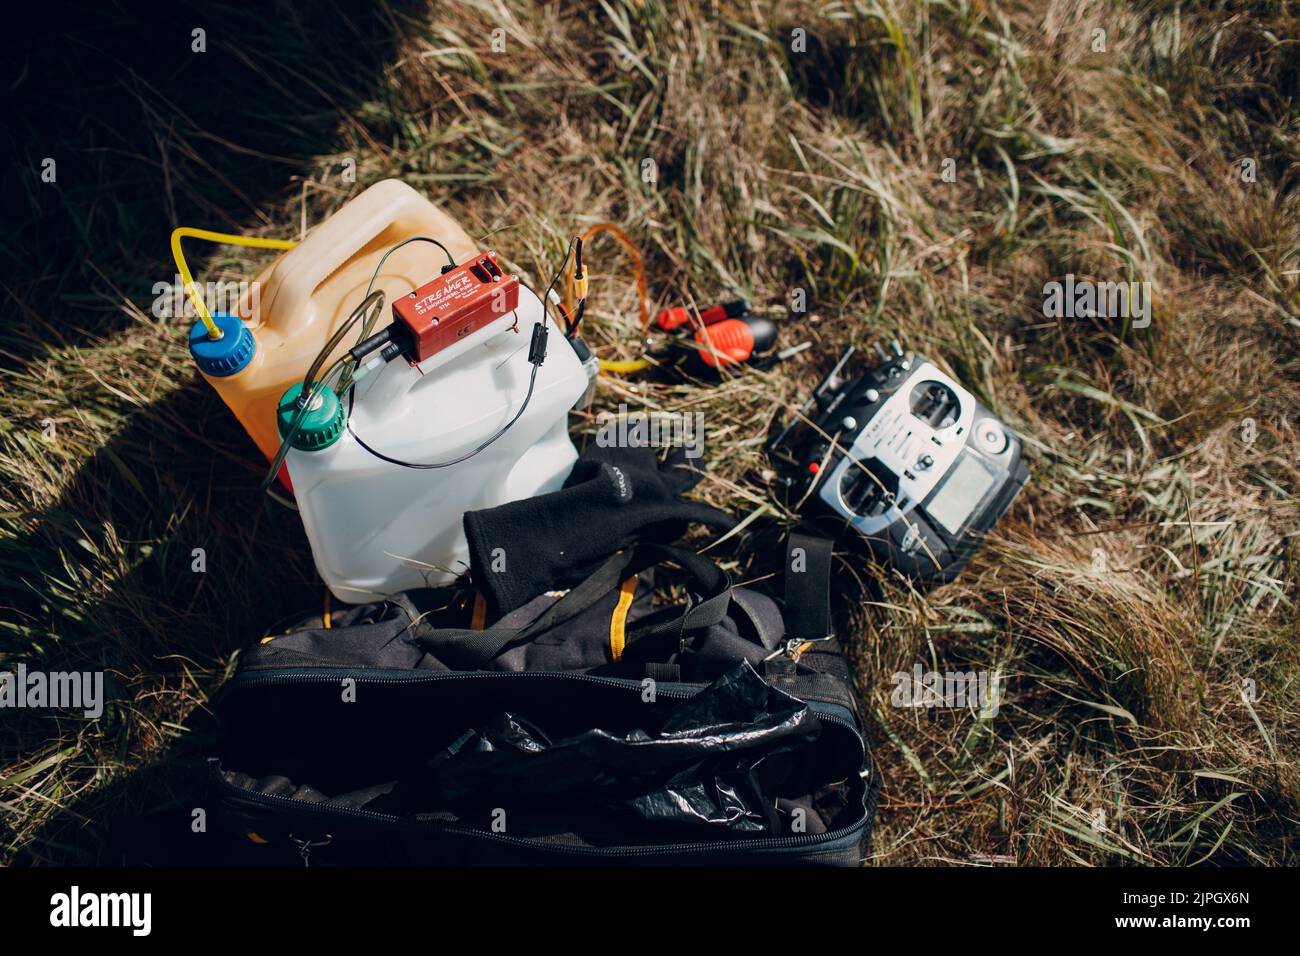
[454, 305]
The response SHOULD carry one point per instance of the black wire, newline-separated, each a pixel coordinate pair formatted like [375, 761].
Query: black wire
[376, 341]
[574, 322]
[451, 262]
[532, 381]
[546, 299]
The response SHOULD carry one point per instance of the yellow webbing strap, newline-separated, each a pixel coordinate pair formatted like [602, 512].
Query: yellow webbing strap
[618, 620]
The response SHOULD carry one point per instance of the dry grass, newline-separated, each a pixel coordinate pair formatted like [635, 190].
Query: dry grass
[1148, 570]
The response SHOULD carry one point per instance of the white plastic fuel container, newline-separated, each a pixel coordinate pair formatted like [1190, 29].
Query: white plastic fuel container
[377, 527]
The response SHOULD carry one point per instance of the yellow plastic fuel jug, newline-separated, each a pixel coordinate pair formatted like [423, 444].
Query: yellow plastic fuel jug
[303, 298]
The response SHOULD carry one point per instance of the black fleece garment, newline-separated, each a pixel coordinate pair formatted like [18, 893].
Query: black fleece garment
[613, 498]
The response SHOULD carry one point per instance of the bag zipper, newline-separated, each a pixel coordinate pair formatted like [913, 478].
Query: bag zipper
[405, 823]
[307, 675]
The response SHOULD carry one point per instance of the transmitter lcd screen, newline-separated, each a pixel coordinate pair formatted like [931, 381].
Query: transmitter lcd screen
[961, 492]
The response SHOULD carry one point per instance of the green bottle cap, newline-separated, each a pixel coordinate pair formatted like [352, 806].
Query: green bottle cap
[322, 424]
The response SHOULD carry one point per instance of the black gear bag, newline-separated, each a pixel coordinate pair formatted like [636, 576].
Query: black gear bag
[599, 725]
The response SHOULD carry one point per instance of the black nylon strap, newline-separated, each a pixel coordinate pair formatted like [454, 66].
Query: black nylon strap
[763, 616]
[467, 649]
[665, 673]
[709, 610]
[807, 586]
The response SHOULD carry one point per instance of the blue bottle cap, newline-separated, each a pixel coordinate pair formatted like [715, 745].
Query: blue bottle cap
[226, 355]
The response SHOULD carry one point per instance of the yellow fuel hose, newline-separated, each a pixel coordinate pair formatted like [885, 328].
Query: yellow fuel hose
[225, 238]
[623, 367]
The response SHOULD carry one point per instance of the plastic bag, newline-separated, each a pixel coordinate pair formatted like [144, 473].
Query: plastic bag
[717, 761]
